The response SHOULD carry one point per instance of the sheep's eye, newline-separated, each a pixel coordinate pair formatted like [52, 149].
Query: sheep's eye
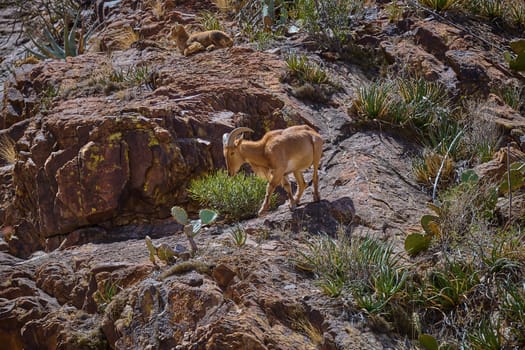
[231, 154]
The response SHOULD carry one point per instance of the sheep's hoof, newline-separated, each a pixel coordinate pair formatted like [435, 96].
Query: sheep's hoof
[261, 212]
[292, 206]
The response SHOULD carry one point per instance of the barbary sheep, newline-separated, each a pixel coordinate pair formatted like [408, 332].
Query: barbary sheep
[277, 154]
[207, 40]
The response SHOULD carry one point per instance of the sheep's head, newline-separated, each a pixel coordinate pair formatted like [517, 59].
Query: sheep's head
[230, 148]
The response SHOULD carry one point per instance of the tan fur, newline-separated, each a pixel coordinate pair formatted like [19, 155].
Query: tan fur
[277, 154]
[207, 40]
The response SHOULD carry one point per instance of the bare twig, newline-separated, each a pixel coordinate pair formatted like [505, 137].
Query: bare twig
[442, 164]
[510, 185]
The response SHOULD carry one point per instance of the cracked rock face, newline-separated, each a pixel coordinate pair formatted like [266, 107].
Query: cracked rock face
[107, 143]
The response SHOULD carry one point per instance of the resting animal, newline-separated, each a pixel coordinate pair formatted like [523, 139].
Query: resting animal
[192, 43]
[277, 154]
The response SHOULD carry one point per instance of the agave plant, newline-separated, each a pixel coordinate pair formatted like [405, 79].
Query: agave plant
[69, 45]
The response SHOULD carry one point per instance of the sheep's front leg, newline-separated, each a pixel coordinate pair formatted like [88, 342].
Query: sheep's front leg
[276, 179]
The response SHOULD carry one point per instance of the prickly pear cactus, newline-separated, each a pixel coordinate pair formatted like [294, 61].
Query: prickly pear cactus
[192, 228]
[162, 251]
[518, 63]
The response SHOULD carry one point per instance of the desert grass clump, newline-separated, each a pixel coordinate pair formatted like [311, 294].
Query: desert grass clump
[465, 206]
[157, 8]
[424, 104]
[328, 20]
[122, 38]
[482, 135]
[7, 150]
[485, 336]
[105, 293]
[306, 70]
[365, 268]
[209, 21]
[513, 96]
[427, 167]
[508, 12]
[237, 197]
[238, 235]
[439, 5]
[224, 5]
[373, 101]
[513, 309]
[450, 286]
[516, 13]
[109, 79]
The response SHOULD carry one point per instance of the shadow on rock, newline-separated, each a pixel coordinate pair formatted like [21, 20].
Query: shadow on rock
[323, 216]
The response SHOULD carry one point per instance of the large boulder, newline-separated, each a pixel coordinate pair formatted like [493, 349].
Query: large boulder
[104, 153]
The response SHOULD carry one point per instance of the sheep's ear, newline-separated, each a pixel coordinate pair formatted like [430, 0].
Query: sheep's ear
[225, 139]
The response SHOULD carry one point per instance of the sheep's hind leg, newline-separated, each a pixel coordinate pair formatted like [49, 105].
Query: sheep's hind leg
[288, 188]
[193, 48]
[301, 185]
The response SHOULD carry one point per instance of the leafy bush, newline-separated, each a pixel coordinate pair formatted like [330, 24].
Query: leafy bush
[237, 197]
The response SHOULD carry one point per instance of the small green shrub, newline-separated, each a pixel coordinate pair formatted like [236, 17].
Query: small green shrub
[237, 197]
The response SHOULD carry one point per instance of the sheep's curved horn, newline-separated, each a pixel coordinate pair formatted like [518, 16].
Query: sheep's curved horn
[228, 141]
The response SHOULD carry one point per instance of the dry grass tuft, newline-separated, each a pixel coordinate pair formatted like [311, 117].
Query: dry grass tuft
[123, 38]
[224, 5]
[7, 149]
[157, 8]
[426, 169]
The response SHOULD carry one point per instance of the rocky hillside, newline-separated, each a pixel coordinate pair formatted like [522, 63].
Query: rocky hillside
[107, 141]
